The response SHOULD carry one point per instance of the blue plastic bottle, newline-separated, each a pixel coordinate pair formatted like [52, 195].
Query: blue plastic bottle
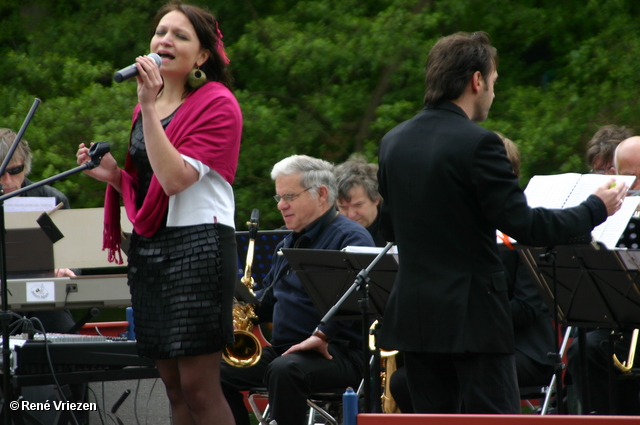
[131, 334]
[349, 407]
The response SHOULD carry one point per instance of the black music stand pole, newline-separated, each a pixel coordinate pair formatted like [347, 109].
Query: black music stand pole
[96, 152]
[558, 366]
[361, 283]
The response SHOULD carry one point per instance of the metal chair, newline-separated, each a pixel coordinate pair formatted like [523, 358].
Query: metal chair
[318, 405]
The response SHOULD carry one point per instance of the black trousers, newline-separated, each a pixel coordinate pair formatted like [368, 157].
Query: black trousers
[290, 380]
[530, 373]
[481, 382]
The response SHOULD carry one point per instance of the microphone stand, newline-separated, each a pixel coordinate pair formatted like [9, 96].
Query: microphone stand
[361, 283]
[5, 315]
[96, 152]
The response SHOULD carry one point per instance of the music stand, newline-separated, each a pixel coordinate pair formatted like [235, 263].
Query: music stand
[591, 287]
[595, 287]
[263, 251]
[328, 277]
[328, 274]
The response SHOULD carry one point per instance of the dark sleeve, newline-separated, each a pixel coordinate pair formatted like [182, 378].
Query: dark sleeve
[264, 292]
[386, 225]
[527, 305]
[504, 203]
[362, 238]
[597, 208]
[264, 309]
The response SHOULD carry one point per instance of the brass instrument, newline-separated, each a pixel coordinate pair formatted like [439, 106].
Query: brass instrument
[387, 367]
[246, 349]
[626, 367]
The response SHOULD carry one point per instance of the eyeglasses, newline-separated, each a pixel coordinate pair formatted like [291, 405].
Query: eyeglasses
[289, 198]
[610, 170]
[15, 170]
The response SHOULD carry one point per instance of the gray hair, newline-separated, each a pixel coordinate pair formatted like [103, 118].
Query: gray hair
[22, 152]
[357, 172]
[313, 172]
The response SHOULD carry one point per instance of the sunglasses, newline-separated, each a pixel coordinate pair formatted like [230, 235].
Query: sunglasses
[15, 170]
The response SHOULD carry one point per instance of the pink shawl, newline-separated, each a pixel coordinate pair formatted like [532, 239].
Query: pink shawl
[207, 127]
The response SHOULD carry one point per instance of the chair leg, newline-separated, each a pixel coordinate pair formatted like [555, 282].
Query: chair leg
[262, 417]
[314, 407]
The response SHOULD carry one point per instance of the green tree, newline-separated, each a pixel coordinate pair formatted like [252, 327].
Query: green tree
[322, 77]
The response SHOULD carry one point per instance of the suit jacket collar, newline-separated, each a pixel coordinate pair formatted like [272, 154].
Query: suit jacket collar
[448, 106]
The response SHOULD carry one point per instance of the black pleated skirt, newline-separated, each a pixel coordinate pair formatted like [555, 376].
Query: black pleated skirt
[182, 281]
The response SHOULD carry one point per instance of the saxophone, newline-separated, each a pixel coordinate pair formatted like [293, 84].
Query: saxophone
[246, 349]
[387, 367]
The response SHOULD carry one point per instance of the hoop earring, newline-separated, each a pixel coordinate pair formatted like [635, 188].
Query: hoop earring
[197, 78]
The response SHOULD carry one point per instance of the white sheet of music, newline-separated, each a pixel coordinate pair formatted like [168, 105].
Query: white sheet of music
[611, 230]
[29, 203]
[550, 191]
[588, 183]
[566, 190]
[570, 189]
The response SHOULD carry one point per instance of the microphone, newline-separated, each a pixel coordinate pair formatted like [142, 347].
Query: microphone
[132, 71]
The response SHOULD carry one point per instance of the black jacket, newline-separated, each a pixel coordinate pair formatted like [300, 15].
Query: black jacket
[447, 186]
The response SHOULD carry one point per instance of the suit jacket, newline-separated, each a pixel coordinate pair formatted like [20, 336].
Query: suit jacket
[447, 186]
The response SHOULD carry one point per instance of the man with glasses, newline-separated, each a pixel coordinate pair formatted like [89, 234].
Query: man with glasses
[14, 178]
[19, 167]
[303, 357]
[57, 321]
[602, 145]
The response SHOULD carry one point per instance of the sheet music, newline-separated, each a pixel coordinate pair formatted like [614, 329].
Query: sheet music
[589, 183]
[29, 203]
[550, 191]
[566, 190]
[370, 249]
[610, 231]
[570, 189]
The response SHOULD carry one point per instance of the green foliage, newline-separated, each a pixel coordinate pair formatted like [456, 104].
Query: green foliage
[322, 77]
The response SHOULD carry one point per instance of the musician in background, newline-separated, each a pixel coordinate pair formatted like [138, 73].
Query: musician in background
[447, 185]
[56, 321]
[601, 147]
[533, 331]
[14, 178]
[358, 196]
[624, 161]
[303, 357]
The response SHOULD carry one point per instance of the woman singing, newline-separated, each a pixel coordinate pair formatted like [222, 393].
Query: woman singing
[176, 189]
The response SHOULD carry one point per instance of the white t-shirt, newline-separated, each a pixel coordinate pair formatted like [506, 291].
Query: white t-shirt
[208, 200]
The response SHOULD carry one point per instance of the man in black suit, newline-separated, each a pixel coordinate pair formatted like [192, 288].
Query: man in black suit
[533, 332]
[447, 185]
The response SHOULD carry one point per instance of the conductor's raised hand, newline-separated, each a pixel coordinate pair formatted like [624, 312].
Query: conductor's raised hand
[612, 194]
